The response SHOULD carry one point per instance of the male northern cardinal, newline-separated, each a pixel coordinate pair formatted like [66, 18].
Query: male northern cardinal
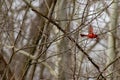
[91, 34]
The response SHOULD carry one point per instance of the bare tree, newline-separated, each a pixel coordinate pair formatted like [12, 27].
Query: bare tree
[40, 40]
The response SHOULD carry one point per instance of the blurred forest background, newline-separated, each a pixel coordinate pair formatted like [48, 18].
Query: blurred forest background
[40, 40]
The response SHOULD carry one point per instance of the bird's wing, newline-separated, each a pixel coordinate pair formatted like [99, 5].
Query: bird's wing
[90, 29]
[83, 35]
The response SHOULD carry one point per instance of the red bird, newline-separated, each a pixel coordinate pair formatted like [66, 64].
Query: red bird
[91, 34]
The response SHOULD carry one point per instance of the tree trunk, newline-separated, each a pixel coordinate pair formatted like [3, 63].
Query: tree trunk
[111, 54]
[65, 62]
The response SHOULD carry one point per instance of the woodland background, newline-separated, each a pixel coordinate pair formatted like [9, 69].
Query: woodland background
[40, 40]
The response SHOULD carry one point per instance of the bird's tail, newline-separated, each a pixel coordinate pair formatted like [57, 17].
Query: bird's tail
[83, 35]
